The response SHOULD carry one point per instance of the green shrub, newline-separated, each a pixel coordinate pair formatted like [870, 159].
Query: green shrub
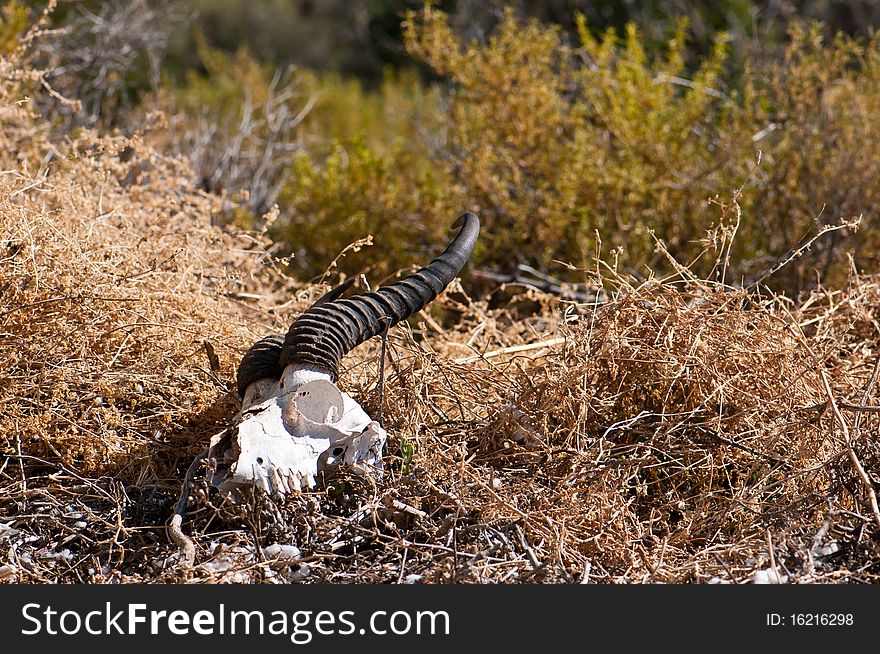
[238, 122]
[14, 21]
[555, 143]
[822, 105]
[378, 177]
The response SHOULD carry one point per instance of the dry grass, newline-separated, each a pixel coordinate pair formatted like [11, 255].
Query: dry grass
[677, 432]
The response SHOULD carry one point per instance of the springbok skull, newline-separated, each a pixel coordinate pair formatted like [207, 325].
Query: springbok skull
[294, 422]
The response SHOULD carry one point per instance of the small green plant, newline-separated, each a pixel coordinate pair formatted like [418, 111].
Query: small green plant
[407, 452]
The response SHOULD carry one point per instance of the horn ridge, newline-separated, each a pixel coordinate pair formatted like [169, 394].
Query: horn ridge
[261, 361]
[324, 334]
[263, 358]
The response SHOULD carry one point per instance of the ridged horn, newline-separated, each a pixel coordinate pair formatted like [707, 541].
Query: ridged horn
[325, 333]
[262, 360]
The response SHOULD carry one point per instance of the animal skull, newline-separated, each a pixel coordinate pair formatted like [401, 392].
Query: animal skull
[292, 432]
[295, 424]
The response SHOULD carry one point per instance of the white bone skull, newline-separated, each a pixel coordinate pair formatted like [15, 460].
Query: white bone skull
[295, 424]
[289, 432]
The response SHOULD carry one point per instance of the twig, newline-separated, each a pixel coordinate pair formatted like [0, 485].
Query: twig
[777, 578]
[585, 577]
[474, 558]
[869, 387]
[512, 350]
[151, 269]
[406, 508]
[745, 448]
[528, 548]
[869, 487]
[859, 408]
[387, 321]
[817, 540]
[543, 283]
[681, 81]
[791, 255]
[175, 532]
[353, 247]
[402, 565]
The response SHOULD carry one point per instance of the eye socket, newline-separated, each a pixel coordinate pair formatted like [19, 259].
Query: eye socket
[337, 451]
[259, 460]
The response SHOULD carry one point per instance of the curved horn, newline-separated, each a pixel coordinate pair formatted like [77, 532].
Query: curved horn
[324, 334]
[262, 360]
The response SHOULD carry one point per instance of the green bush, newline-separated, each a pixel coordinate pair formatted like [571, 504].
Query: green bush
[14, 21]
[554, 144]
[378, 178]
[822, 105]
[564, 147]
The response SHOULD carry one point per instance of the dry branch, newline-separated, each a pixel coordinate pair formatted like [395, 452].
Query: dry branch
[860, 469]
